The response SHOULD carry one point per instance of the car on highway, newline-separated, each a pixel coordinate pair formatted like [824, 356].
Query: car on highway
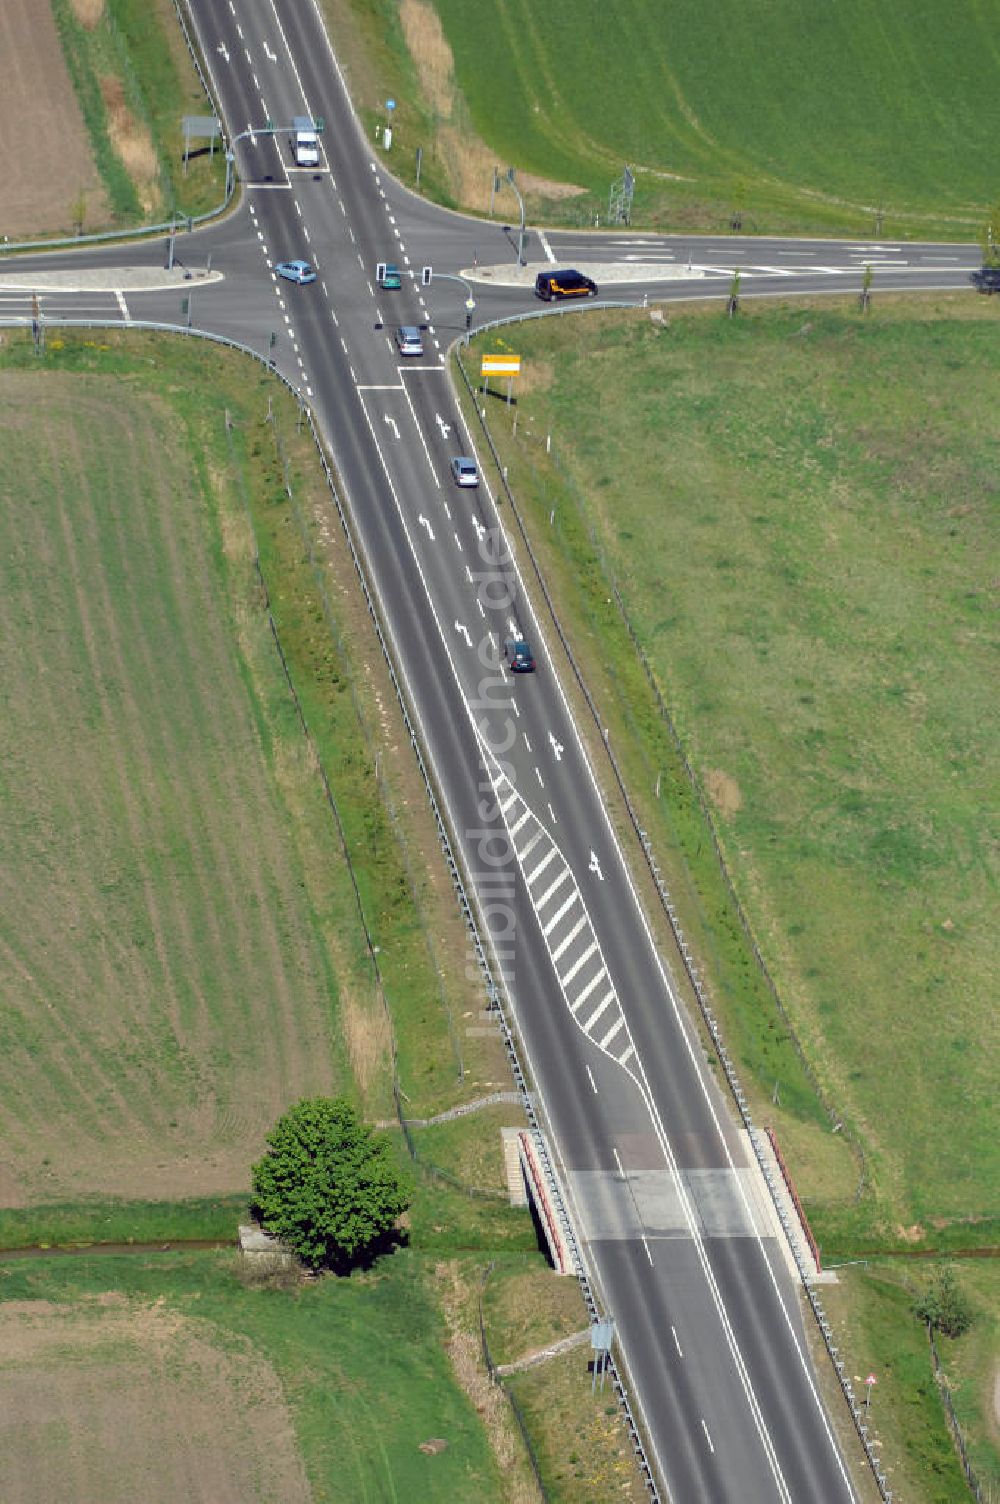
[568, 284]
[408, 340]
[986, 279]
[520, 659]
[390, 277]
[464, 472]
[296, 271]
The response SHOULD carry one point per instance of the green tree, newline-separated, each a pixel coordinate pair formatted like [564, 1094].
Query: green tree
[328, 1186]
[944, 1307]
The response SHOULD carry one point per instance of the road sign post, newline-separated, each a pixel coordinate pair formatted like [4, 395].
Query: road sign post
[870, 1383]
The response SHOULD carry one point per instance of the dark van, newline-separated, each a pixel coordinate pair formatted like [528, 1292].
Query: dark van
[549, 285]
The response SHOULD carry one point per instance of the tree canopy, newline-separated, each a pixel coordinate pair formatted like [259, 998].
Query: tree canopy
[328, 1186]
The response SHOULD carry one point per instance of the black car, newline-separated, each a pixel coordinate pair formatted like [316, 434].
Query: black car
[568, 284]
[518, 654]
[986, 279]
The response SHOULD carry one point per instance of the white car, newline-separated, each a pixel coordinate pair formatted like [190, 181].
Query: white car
[464, 472]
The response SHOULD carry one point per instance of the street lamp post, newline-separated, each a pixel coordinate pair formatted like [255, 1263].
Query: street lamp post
[520, 200]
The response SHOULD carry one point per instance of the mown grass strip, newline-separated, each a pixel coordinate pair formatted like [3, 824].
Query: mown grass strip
[79, 51]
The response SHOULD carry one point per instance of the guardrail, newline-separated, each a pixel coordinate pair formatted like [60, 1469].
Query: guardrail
[687, 960]
[494, 993]
[145, 231]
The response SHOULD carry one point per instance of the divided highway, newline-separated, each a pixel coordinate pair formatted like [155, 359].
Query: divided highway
[666, 1199]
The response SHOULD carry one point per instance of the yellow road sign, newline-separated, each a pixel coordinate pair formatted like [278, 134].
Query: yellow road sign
[501, 365]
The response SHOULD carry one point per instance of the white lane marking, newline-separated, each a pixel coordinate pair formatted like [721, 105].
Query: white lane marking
[650, 1258]
[541, 780]
[482, 608]
[707, 1437]
[619, 1023]
[564, 945]
[677, 1344]
[552, 813]
[526, 741]
[420, 432]
[560, 912]
[549, 856]
[578, 964]
[458, 545]
[595, 866]
[639, 1074]
[549, 254]
[531, 844]
[516, 827]
[123, 306]
[424, 522]
[557, 747]
[592, 1081]
[564, 874]
[600, 1009]
[592, 985]
[461, 629]
[393, 425]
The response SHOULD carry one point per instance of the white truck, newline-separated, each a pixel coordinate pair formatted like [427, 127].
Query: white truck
[305, 141]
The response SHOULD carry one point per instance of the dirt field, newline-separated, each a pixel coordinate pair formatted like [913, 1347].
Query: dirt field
[49, 164]
[168, 991]
[115, 1399]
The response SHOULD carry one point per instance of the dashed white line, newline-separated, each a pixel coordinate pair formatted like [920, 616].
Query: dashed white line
[541, 780]
[707, 1437]
[552, 814]
[650, 1258]
[526, 741]
[592, 1081]
[677, 1344]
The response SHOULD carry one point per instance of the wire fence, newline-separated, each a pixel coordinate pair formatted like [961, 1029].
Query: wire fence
[982, 1493]
[666, 716]
[709, 1019]
[496, 1378]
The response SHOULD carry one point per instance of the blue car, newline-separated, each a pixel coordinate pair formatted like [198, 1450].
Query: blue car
[296, 271]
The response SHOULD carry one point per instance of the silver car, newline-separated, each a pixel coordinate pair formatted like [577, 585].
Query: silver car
[408, 341]
[464, 472]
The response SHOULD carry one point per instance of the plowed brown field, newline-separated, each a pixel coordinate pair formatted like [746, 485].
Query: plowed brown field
[112, 1399]
[47, 159]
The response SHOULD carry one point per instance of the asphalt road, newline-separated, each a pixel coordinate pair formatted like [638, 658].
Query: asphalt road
[666, 1200]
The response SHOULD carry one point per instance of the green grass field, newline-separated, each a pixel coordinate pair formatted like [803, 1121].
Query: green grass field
[799, 510]
[803, 118]
[363, 1366]
[169, 990]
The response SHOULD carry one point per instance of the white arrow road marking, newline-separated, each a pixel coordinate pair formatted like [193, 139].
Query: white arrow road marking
[272, 57]
[480, 529]
[464, 632]
[557, 747]
[595, 865]
[224, 50]
[425, 523]
[444, 427]
[512, 626]
[393, 425]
